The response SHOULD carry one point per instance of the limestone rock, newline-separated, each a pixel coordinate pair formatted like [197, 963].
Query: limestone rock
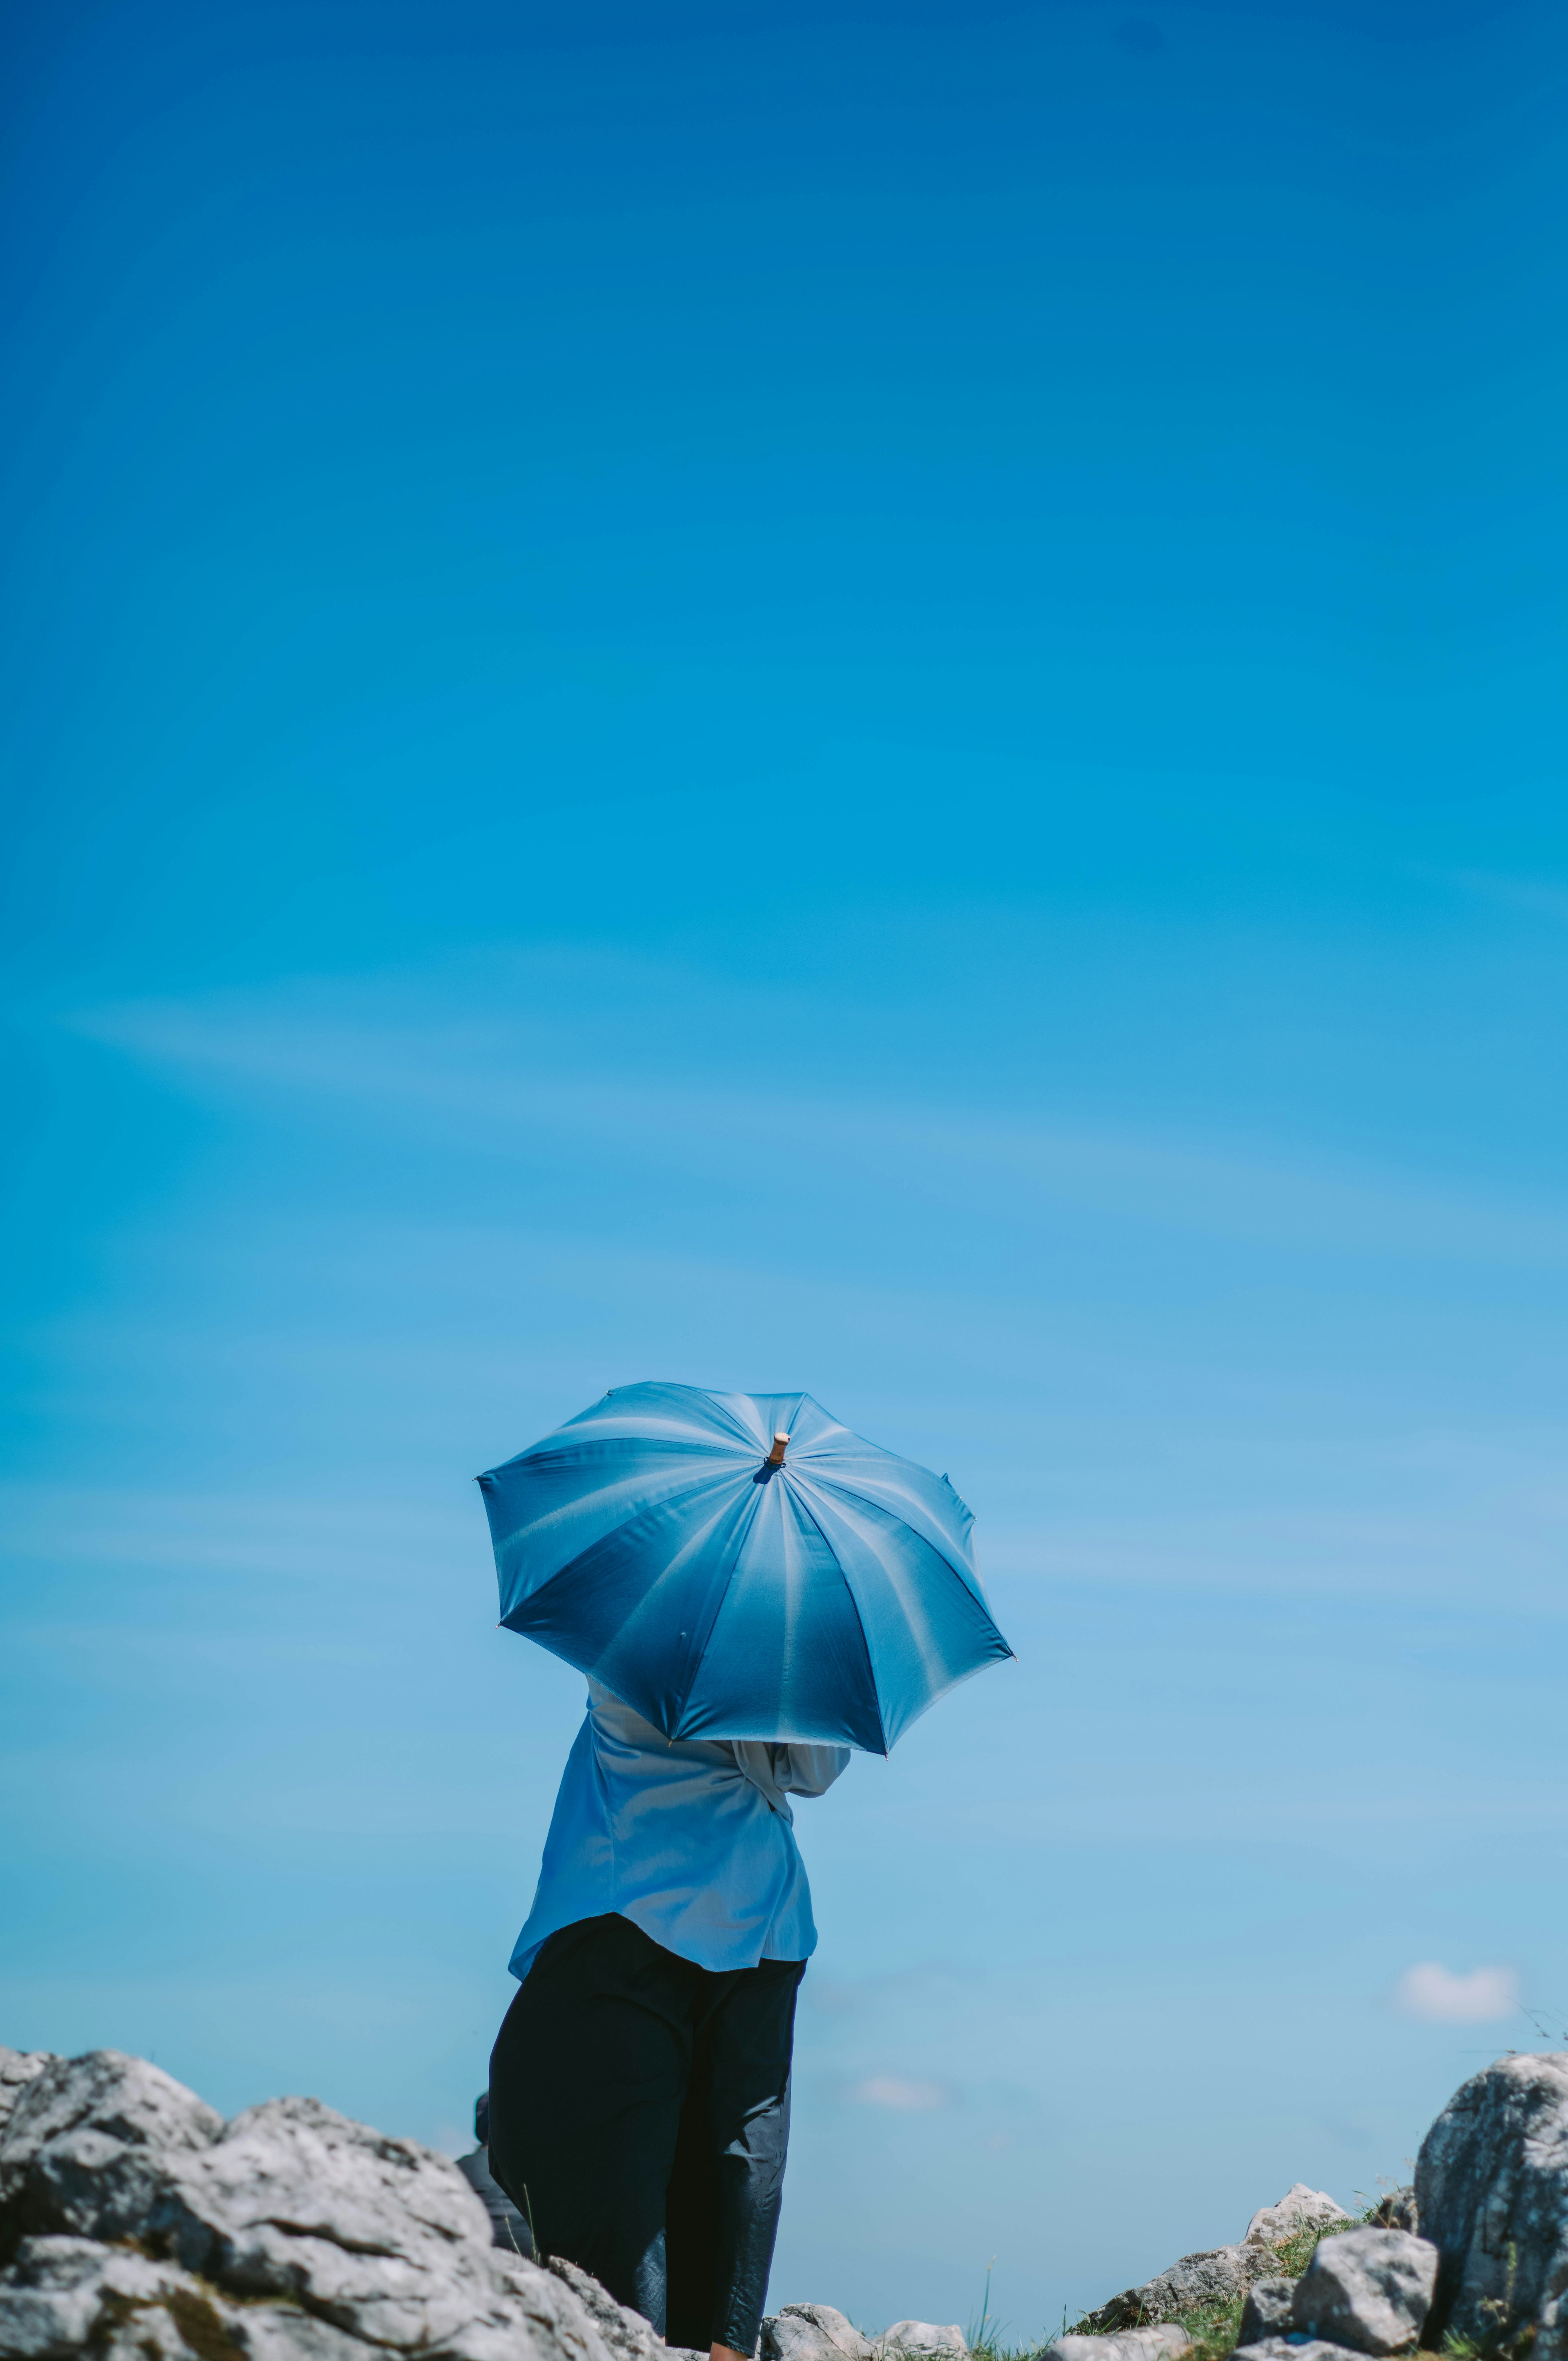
[63, 2293]
[124, 2098]
[66, 2296]
[84, 2147]
[1492, 2191]
[290, 2234]
[17, 2069]
[1280, 2348]
[1163, 2342]
[271, 2332]
[1218, 2274]
[1267, 2312]
[626, 2334]
[1300, 2206]
[813, 2332]
[298, 2167]
[919, 2336]
[1369, 2290]
[379, 2236]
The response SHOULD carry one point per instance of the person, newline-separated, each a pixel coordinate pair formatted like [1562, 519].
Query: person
[639, 2083]
[508, 2227]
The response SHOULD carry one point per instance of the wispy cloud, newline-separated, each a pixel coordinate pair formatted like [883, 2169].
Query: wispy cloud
[1484, 1996]
[466, 1076]
[902, 2095]
[1543, 897]
[295, 1541]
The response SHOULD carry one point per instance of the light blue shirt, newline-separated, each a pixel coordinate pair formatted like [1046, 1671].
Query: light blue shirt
[690, 1838]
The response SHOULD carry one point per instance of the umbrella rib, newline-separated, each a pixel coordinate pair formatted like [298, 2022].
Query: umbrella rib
[733, 1419]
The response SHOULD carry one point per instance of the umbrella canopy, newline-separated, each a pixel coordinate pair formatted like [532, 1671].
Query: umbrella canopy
[740, 1565]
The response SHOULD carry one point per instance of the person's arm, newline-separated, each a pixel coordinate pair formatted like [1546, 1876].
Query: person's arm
[809, 1770]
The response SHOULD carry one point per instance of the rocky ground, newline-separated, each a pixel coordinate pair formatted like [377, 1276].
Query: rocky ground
[136, 2225]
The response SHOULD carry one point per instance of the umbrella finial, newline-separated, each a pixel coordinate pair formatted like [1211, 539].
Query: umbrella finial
[775, 1456]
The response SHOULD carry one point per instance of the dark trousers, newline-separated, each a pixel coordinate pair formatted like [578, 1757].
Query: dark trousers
[640, 2115]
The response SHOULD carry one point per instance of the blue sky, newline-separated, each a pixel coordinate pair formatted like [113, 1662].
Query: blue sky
[852, 697]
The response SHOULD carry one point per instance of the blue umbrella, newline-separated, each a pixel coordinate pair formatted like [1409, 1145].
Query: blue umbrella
[740, 1565]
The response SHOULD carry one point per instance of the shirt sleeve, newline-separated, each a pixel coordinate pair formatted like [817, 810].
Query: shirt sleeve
[809, 1770]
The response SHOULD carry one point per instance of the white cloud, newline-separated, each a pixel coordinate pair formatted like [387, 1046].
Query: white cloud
[892, 2091]
[1483, 1997]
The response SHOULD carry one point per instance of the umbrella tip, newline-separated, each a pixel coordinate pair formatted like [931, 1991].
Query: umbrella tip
[781, 1443]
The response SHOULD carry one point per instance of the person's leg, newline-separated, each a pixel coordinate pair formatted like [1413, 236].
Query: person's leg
[692, 2200]
[587, 2080]
[722, 2211]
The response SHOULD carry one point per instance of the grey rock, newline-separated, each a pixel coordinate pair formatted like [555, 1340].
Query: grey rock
[17, 2069]
[1492, 2193]
[554, 2323]
[65, 2295]
[289, 2235]
[272, 2332]
[365, 2238]
[1267, 2312]
[920, 2336]
[84, 2146]
[1280, 2348]
[298, 2167]
[86, 2184]
[124, 2098]
[60, 2293]
[813, 2332]
[1163, 2342]
[1300, 2206]
[1397, 2210]
[1369, 2290]
[627, 2334]
[379, 2236]
[1217, 2275]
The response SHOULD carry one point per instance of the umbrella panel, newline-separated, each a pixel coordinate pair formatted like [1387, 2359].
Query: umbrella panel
[786, 1657]
[635, 1610]
[548, 1507]
[925, 1628]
